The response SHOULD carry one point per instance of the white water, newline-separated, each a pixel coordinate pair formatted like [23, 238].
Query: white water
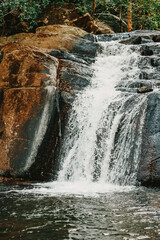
[103, 139]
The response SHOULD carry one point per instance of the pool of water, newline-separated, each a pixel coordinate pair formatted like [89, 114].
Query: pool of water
[48, 211]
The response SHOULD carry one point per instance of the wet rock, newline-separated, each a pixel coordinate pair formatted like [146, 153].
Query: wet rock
[155, 62]
[65, 55]
[156, 38]
[145, 62]
[139, 84]
[72, 67]
[150, 75]
[86, 50]
[132, 40]
[21, 114]
[136, 40]
[144, 89]
[146, 51]
[25, 73]
[74, 81]
[113, 37]
[149, 167]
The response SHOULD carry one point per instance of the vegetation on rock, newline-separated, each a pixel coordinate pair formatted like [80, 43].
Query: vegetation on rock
[121, 15]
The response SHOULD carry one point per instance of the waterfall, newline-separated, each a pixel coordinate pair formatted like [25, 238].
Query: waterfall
[103, 139]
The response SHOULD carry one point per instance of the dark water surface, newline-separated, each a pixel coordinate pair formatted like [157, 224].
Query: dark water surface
[120, 214]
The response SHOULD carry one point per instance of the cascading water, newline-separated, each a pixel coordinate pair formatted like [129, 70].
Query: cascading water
[103, 139]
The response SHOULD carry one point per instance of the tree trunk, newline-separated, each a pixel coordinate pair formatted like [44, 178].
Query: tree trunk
[129, 16]
[93, 7]
[120, 16]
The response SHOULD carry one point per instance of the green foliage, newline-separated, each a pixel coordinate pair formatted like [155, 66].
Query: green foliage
[146, 13]
[25, 9]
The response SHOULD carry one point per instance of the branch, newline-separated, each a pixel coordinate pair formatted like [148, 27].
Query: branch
[11, 12]
[114, 16]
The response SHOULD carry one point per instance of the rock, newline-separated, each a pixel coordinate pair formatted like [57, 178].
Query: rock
[49, 37]
[61, 30]
[30, 117]
[156, 38]
[22, 67]
[65, 55]
[133, 40]
[74, 81]
[146, 51]
[86, 23]
[86, 50]
[144, 89]
[73, 76]
[21, 113]
[149, 167]
[26, 75]
[103, 27]
[155, 62]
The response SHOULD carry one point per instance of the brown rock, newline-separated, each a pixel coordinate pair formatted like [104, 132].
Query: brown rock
[24, 73]
[144, 89]
[22, 110]
[103, 27]
[20, 105]
[86, 23]
[22, 67]
[48, 37]
[61, 30]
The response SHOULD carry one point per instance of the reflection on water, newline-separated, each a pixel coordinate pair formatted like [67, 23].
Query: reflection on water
[34, 212]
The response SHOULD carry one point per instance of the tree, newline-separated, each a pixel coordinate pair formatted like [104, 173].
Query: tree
[129, 16]
[93, 7]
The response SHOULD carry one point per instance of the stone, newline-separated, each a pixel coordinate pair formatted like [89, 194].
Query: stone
[60, 54]
[21, 113]
[149, 166]
[22, 67]
[144, 89]
[86, 23]
[48, 37]
[156, 38]
[146, 51]
[132, 40]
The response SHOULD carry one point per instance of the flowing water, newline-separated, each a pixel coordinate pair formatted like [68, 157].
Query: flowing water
[95, 195]
[101, 141]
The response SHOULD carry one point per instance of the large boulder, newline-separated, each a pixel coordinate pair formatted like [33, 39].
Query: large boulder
[39, 76]
[27, 92]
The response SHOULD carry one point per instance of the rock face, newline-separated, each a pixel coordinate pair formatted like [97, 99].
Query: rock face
[32, 74]
[24, 78]
[149, 168]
